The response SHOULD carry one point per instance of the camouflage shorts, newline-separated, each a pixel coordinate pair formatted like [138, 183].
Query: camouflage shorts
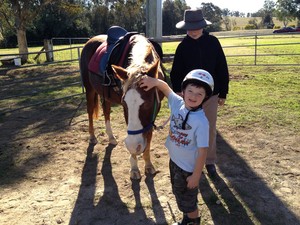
[186, 198]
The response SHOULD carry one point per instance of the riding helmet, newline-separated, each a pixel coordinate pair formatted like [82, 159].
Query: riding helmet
[201, 77]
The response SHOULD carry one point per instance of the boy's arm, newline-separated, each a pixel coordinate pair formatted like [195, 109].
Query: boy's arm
[193, 180]
[149, 82]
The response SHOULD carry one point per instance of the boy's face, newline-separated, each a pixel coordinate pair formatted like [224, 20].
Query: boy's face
[195, 34]
[193, 96]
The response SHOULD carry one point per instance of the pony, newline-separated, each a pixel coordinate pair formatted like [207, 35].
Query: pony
[140, 107]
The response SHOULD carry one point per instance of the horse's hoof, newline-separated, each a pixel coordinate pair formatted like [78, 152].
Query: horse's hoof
[135, 175]
[150, 170]
[93, 141]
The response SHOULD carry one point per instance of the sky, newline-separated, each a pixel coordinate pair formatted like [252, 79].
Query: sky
[245, 6]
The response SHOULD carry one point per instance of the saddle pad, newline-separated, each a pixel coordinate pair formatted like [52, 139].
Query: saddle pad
[94, 64]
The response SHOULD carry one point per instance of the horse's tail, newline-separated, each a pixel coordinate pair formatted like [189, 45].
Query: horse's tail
[96, 106]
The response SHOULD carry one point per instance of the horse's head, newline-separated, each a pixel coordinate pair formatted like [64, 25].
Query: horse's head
[140, 106]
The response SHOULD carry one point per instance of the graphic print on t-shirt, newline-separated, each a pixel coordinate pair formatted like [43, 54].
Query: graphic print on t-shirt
[177, 135]
[178, 122]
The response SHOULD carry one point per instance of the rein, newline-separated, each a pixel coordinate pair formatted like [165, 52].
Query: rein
[154, 114]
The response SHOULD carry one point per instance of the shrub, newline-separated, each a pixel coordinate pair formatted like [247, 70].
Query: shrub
[250, 27]
[236, 28]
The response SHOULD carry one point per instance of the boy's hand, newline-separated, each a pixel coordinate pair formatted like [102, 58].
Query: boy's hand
[192, 181]
[147, 83]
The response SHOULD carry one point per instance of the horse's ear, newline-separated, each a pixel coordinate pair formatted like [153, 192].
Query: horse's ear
[120, 72]
[152, 72]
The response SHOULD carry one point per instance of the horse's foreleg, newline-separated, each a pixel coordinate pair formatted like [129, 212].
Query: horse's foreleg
[91, 104]
[135, 173]
[149, 168]
[106, 106]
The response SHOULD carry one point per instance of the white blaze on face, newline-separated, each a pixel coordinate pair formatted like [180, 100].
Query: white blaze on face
[134, 143]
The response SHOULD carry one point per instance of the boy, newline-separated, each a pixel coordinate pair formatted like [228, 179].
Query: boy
[188, 137]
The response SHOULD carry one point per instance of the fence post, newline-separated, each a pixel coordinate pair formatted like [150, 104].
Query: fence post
[70, 43]
[255, 49]
[48, 46]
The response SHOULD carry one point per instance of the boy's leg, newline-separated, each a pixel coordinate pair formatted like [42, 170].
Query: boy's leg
[186, 198]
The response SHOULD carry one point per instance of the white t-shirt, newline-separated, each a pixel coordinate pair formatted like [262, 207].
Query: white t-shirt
[183, 145]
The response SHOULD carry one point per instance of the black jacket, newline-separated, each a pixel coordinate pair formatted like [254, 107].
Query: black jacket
[204, 53]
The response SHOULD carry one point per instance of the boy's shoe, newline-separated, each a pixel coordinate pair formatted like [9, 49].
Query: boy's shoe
[211, 170]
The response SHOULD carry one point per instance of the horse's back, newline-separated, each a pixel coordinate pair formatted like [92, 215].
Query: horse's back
[86, 54]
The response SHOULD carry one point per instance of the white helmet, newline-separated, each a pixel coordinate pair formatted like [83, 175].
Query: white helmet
[201, 77]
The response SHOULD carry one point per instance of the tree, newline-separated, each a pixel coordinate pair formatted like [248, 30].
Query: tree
[287, 10]
[213, 14]
[292, 6]
[60, 18]
[225, 12]
[227, 22]
[254, 23]
[129, 14]
[98, 24]
[172, 13]
[19, 14]
[267, 19]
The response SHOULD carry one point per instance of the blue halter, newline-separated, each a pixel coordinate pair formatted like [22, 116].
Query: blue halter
[134, 132]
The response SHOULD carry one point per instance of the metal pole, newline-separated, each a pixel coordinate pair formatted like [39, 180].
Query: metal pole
[154, 19]
[255, 49]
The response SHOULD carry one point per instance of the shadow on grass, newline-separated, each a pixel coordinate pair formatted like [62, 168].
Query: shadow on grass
[245, 198]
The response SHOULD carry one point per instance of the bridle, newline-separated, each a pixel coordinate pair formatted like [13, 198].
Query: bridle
[154, 114]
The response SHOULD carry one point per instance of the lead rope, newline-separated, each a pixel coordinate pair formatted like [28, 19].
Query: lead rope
[165, 123]
[155, 110]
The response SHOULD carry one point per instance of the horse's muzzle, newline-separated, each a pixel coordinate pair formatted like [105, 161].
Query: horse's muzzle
[135, 144]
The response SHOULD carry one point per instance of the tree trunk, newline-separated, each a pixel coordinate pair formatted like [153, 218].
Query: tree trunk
[22, 43]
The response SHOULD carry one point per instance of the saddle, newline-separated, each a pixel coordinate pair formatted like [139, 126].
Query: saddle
[115, 51]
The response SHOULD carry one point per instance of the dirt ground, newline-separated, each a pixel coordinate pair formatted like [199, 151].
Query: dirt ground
[51, 175]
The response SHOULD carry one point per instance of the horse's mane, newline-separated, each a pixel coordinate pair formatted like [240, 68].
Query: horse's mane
[142, 57]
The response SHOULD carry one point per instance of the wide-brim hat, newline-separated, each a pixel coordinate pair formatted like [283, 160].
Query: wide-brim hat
[193, 20]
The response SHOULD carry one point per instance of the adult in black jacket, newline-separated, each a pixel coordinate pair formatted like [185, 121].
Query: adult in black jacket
[200, 50]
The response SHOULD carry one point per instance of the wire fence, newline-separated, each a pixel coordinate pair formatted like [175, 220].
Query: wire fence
[255, 49]
[28, 90]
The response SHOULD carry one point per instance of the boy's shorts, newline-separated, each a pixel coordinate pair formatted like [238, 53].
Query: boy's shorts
[186, 198]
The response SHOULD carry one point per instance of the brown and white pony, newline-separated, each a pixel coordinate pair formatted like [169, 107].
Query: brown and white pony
[140, 107]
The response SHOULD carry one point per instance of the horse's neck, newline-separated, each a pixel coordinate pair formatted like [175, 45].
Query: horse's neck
[142, 51]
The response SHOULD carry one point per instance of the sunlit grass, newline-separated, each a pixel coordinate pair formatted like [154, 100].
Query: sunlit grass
[270, 97]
